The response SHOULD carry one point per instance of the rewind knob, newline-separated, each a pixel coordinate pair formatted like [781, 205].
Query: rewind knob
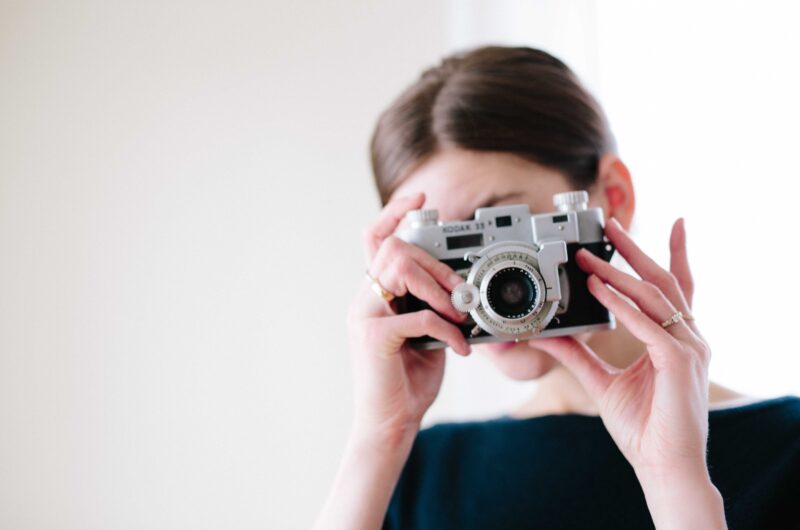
[420, 218]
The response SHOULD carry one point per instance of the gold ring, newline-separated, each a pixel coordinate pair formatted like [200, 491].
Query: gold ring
[379, 289]
[674, 319]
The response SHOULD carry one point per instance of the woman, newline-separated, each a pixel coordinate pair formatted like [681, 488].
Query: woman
[617, 434]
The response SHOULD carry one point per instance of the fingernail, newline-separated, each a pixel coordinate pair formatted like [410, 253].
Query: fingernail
[455, 279]
[616, 223]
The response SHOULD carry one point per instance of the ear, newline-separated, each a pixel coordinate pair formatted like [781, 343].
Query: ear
[613, 190]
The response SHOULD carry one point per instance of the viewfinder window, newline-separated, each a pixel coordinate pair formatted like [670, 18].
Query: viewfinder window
[469, 240]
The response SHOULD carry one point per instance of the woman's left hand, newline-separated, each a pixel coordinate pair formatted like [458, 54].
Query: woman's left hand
[656, 409]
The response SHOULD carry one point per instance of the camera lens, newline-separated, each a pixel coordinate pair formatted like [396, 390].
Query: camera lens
[512, 293]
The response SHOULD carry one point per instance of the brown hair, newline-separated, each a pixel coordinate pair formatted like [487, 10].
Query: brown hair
[515, 100]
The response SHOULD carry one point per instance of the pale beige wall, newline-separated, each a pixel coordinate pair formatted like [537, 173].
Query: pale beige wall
[182, 185]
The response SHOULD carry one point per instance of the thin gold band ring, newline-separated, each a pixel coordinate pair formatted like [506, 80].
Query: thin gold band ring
[380, 289]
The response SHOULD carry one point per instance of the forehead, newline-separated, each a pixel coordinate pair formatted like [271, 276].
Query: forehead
[457, 181]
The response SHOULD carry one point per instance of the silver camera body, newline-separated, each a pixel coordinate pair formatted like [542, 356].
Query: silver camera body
[521, 279]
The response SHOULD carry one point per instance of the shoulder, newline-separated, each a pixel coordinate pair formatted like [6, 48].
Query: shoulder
[785, 408]
[759, 438]
[759, 421]
[754, 459]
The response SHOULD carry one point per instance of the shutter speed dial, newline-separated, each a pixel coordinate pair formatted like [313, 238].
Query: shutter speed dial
[465, 297]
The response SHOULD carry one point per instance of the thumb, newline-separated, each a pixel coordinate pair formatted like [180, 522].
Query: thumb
[592, 372]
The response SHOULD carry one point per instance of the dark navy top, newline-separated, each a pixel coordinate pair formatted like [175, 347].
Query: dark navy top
[564, 471]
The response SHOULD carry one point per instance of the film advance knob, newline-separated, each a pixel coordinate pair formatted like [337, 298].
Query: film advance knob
[419, 218]
[571, 200]
[465, 297]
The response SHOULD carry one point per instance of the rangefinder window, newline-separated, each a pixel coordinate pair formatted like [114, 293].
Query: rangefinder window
[469, 240]
[503, 220]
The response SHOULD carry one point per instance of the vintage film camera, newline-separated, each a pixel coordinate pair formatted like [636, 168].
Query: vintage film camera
[521, 277]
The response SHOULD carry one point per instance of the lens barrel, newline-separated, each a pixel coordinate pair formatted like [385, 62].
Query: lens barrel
[512, 293]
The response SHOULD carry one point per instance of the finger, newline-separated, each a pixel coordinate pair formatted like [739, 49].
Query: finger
[388, 219]
[593, 373]
[406, 275]
[679, 261]
[393, 247]
[679, 266]
[647, 296]
[645, 266]
[639, 324]
[395, 329]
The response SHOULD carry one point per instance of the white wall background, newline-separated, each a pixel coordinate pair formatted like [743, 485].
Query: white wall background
[702, 97]
[181, 184]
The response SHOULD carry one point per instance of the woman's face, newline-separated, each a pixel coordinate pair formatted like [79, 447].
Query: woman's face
[457, 182]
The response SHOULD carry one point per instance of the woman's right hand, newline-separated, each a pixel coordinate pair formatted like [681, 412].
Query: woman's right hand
[394, 383]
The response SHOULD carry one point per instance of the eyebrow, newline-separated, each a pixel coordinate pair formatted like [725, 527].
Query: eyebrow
[496, 198]
[493, 199]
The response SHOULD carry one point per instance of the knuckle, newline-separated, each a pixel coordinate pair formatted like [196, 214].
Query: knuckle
[371, 333]
[393, 244]
[444, 270]
[670, 280]
[402, 265]
[650, 289]
[386, 248]
[366, 233]
[705, 351]
[695, 350]
[687, 350]
[428, 318]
